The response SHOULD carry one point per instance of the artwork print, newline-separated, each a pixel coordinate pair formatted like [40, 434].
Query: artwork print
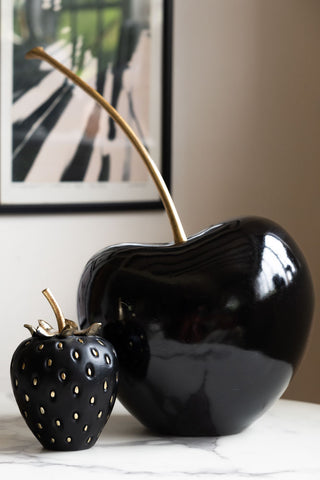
[61, 148]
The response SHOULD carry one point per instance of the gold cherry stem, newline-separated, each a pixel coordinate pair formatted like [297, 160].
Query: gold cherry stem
[55, 307]
[176, 225]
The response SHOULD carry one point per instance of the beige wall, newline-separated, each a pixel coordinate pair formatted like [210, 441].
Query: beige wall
[246, 141]
[247, 125]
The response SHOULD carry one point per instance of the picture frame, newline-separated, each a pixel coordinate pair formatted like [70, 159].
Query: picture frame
[60, 152]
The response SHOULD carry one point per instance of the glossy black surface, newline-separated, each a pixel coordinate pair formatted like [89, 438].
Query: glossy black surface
[209, 332]
[82, 374]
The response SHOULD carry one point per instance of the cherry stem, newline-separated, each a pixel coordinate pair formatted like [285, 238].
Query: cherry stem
[55, 307]
[176, 225]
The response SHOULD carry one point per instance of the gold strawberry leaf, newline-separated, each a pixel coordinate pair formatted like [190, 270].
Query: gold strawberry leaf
[31, 329]
[44, 329]
[93, 329]
[71, 324]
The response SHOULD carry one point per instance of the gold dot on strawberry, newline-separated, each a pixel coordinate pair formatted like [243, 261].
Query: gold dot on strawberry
[65, 382]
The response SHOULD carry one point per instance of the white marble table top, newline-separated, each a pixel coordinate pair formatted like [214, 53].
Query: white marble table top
[284, 444]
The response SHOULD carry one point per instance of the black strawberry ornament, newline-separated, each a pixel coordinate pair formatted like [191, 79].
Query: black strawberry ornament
[65, 382]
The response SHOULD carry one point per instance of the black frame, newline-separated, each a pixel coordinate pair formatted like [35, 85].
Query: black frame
[166, 134]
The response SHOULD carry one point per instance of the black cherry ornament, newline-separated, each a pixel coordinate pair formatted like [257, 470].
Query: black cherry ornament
[208, 329]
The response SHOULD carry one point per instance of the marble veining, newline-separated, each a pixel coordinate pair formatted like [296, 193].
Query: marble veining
[283, 445]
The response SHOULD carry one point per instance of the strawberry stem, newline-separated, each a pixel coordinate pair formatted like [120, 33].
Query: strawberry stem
[55, 307]
[177, 228]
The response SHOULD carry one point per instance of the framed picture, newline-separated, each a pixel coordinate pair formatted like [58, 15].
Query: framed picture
[59, 150]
